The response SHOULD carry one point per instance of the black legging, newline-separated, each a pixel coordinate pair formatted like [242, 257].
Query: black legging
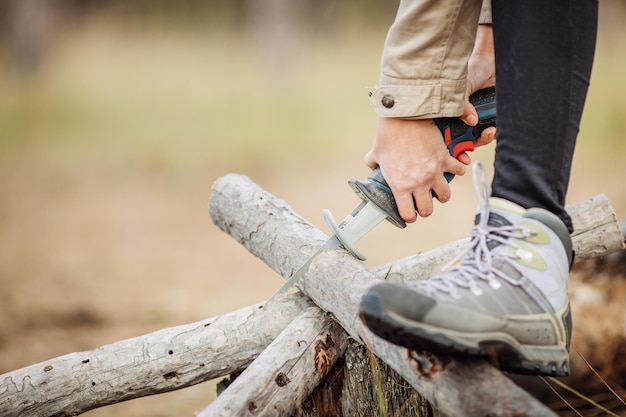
[544, 54]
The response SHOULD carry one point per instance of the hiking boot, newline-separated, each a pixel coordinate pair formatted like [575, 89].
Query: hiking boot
[506, 300]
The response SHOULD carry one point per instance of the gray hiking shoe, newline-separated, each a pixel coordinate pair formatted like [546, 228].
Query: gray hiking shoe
[507, 300]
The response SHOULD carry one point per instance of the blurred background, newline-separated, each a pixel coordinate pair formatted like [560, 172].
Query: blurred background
[117, 116]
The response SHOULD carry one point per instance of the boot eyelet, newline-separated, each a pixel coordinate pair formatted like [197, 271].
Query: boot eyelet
[476, 290]
[524, 255]
[495, 284]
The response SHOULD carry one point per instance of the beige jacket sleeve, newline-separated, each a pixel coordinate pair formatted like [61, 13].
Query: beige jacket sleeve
[485, 13]
[424, 61]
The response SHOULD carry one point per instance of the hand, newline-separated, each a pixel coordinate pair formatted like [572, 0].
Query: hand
[413, 158]
[481, 73]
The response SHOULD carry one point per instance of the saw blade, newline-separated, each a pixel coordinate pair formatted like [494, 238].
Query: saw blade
[332, 243]
[357, 224]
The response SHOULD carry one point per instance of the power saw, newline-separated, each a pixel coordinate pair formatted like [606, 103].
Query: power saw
[377, 201]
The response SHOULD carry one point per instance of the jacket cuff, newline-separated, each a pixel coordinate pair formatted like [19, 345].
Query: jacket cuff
[419, 101]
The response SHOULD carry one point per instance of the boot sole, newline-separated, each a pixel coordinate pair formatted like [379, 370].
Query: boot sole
[501, 349]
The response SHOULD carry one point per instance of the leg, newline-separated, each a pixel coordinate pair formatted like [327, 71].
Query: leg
[544, 54]
[507, 300]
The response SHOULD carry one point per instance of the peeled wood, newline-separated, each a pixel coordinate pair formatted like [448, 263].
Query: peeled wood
[275, 232]
[162, 361]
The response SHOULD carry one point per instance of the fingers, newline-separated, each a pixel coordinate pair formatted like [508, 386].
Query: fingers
[487, 136]
[412, 205]
[414, 201]
[413, 159]
[406, 207]
[424, 201]
[418, 201]
[370, 160]
[457, 166]
[464, 158]
[469, 116]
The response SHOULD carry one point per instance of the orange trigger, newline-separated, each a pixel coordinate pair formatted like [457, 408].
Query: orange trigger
[465, 146]
[447, 138]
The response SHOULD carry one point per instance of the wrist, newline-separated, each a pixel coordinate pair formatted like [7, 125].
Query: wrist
[484, 40]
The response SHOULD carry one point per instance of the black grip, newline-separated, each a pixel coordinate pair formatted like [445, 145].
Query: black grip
[459, 138]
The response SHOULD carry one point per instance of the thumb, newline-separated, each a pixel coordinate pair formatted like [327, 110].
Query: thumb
[469, 116]
[370, 160]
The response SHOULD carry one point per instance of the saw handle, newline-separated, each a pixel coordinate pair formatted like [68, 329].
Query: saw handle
[458, 136]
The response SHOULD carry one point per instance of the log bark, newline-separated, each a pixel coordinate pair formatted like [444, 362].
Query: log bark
[272, 385]
[275, 233]
[361, 385]
[162, 361]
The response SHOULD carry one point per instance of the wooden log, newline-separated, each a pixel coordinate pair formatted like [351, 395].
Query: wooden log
[63, 386]
[597, 215]
[360, 385]
[448, 383]
[271, 386]
[162, 361]
[439, 379]
[614, 263]
[278, 235]
[596, 233]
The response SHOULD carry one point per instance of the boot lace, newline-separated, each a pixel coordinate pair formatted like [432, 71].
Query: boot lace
[478, 258]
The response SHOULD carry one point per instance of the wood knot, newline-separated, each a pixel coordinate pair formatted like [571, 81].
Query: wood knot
[170, 375]
[282, 379]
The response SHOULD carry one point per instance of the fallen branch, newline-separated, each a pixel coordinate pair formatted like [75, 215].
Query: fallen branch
[162, 361]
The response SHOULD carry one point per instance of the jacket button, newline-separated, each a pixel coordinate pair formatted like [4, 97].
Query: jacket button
[388, 101]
